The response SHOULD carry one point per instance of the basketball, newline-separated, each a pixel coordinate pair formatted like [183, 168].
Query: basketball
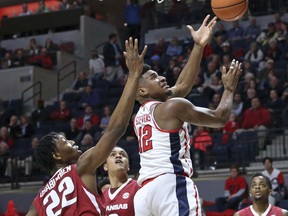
[229, 10]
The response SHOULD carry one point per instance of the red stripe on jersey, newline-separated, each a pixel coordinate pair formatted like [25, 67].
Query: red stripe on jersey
[196, 198]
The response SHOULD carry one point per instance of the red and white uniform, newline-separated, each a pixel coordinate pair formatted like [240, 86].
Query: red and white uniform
[120, 201]
[66, 194]
[270, 211]
[166, 165]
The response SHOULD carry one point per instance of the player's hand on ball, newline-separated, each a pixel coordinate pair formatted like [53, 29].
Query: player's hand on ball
[230, 78]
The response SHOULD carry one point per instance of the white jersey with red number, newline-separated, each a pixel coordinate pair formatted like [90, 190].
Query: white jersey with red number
[161, 151]
[65, 194]
[120, 202]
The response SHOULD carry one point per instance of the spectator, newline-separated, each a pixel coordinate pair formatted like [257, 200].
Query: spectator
[40, 114]
[4, 114]
[257, 118]
[42, 60]
[25, 11]
[276, 106]
[6, 143]
[6, 62]
[254, 55]
[160, 47]
[236, 32]
[81, 82]
[50, 45]
[19, 60]
[89, 97]
[89, 128]
[73, 131]
[221, 31]
[26, 128]
[113, 58]
[132, 18]
[42, 7]
[64, 5]
[267, 35]
[105, 118]
[252, 31]
[86, 143]
[278, 22]
[277, 180]
[88, 115]
[273, 51]
[230, 127]
[235, 191]
[96, 66]
[14, 127]
[216, 98]
[202, 142]
[33, 48]
[174, 49]
[62, 113]
[237, 106]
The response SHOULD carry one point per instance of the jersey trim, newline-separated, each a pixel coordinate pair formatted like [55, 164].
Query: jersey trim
[112, 196]
[93, 200]
[264, 214]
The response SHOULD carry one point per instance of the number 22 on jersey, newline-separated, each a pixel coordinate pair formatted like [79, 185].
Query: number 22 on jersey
[145, 134]
[67, 187]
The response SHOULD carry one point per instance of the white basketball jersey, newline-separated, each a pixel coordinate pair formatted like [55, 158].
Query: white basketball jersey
[161, 151]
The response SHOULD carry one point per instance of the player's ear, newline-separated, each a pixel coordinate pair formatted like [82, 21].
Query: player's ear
[105, 167]
[56, 156]
[142, 92]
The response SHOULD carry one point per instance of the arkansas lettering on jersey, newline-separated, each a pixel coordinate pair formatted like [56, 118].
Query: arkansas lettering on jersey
[161, 151]
[120, 203]
[270, 211]
[66, 194]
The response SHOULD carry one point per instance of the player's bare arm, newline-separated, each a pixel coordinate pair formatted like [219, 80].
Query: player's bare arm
[94, 157]
[236, 214]
[171, 114]
[190, 72]
[32, 211]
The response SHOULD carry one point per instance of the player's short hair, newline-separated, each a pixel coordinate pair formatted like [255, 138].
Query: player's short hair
[146, 68]
[45, 149]
[263, 176]
[267, 158]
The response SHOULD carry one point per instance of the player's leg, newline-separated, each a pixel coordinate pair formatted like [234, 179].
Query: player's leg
[172, 195]
[140, 202]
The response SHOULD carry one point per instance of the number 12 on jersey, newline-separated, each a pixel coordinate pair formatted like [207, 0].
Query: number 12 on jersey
[145, 134]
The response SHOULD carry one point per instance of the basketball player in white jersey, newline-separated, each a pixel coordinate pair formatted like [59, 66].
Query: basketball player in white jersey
[161, 128]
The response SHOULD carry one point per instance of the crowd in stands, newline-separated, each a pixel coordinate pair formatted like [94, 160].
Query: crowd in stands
[259, 102]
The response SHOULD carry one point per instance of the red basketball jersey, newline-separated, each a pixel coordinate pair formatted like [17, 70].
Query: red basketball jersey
[270, 211]
[120, 203]
[66, 194]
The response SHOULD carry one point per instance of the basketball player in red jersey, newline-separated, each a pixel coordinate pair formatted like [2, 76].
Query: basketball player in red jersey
[119, 196]
[161, 126]
[72, 190]
[260, 189]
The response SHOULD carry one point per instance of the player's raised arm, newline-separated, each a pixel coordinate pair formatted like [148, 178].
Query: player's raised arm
[189, 73]
[95, 156]
[185, 111]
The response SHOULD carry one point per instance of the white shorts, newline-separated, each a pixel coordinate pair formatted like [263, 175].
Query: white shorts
[168, 195]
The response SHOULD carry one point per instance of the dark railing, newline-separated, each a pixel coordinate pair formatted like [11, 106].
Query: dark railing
[35, 93]
[60, 79]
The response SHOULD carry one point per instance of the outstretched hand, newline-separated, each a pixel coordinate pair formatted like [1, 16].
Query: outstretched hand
[134, 61]
[230, 78]
[203, 34]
